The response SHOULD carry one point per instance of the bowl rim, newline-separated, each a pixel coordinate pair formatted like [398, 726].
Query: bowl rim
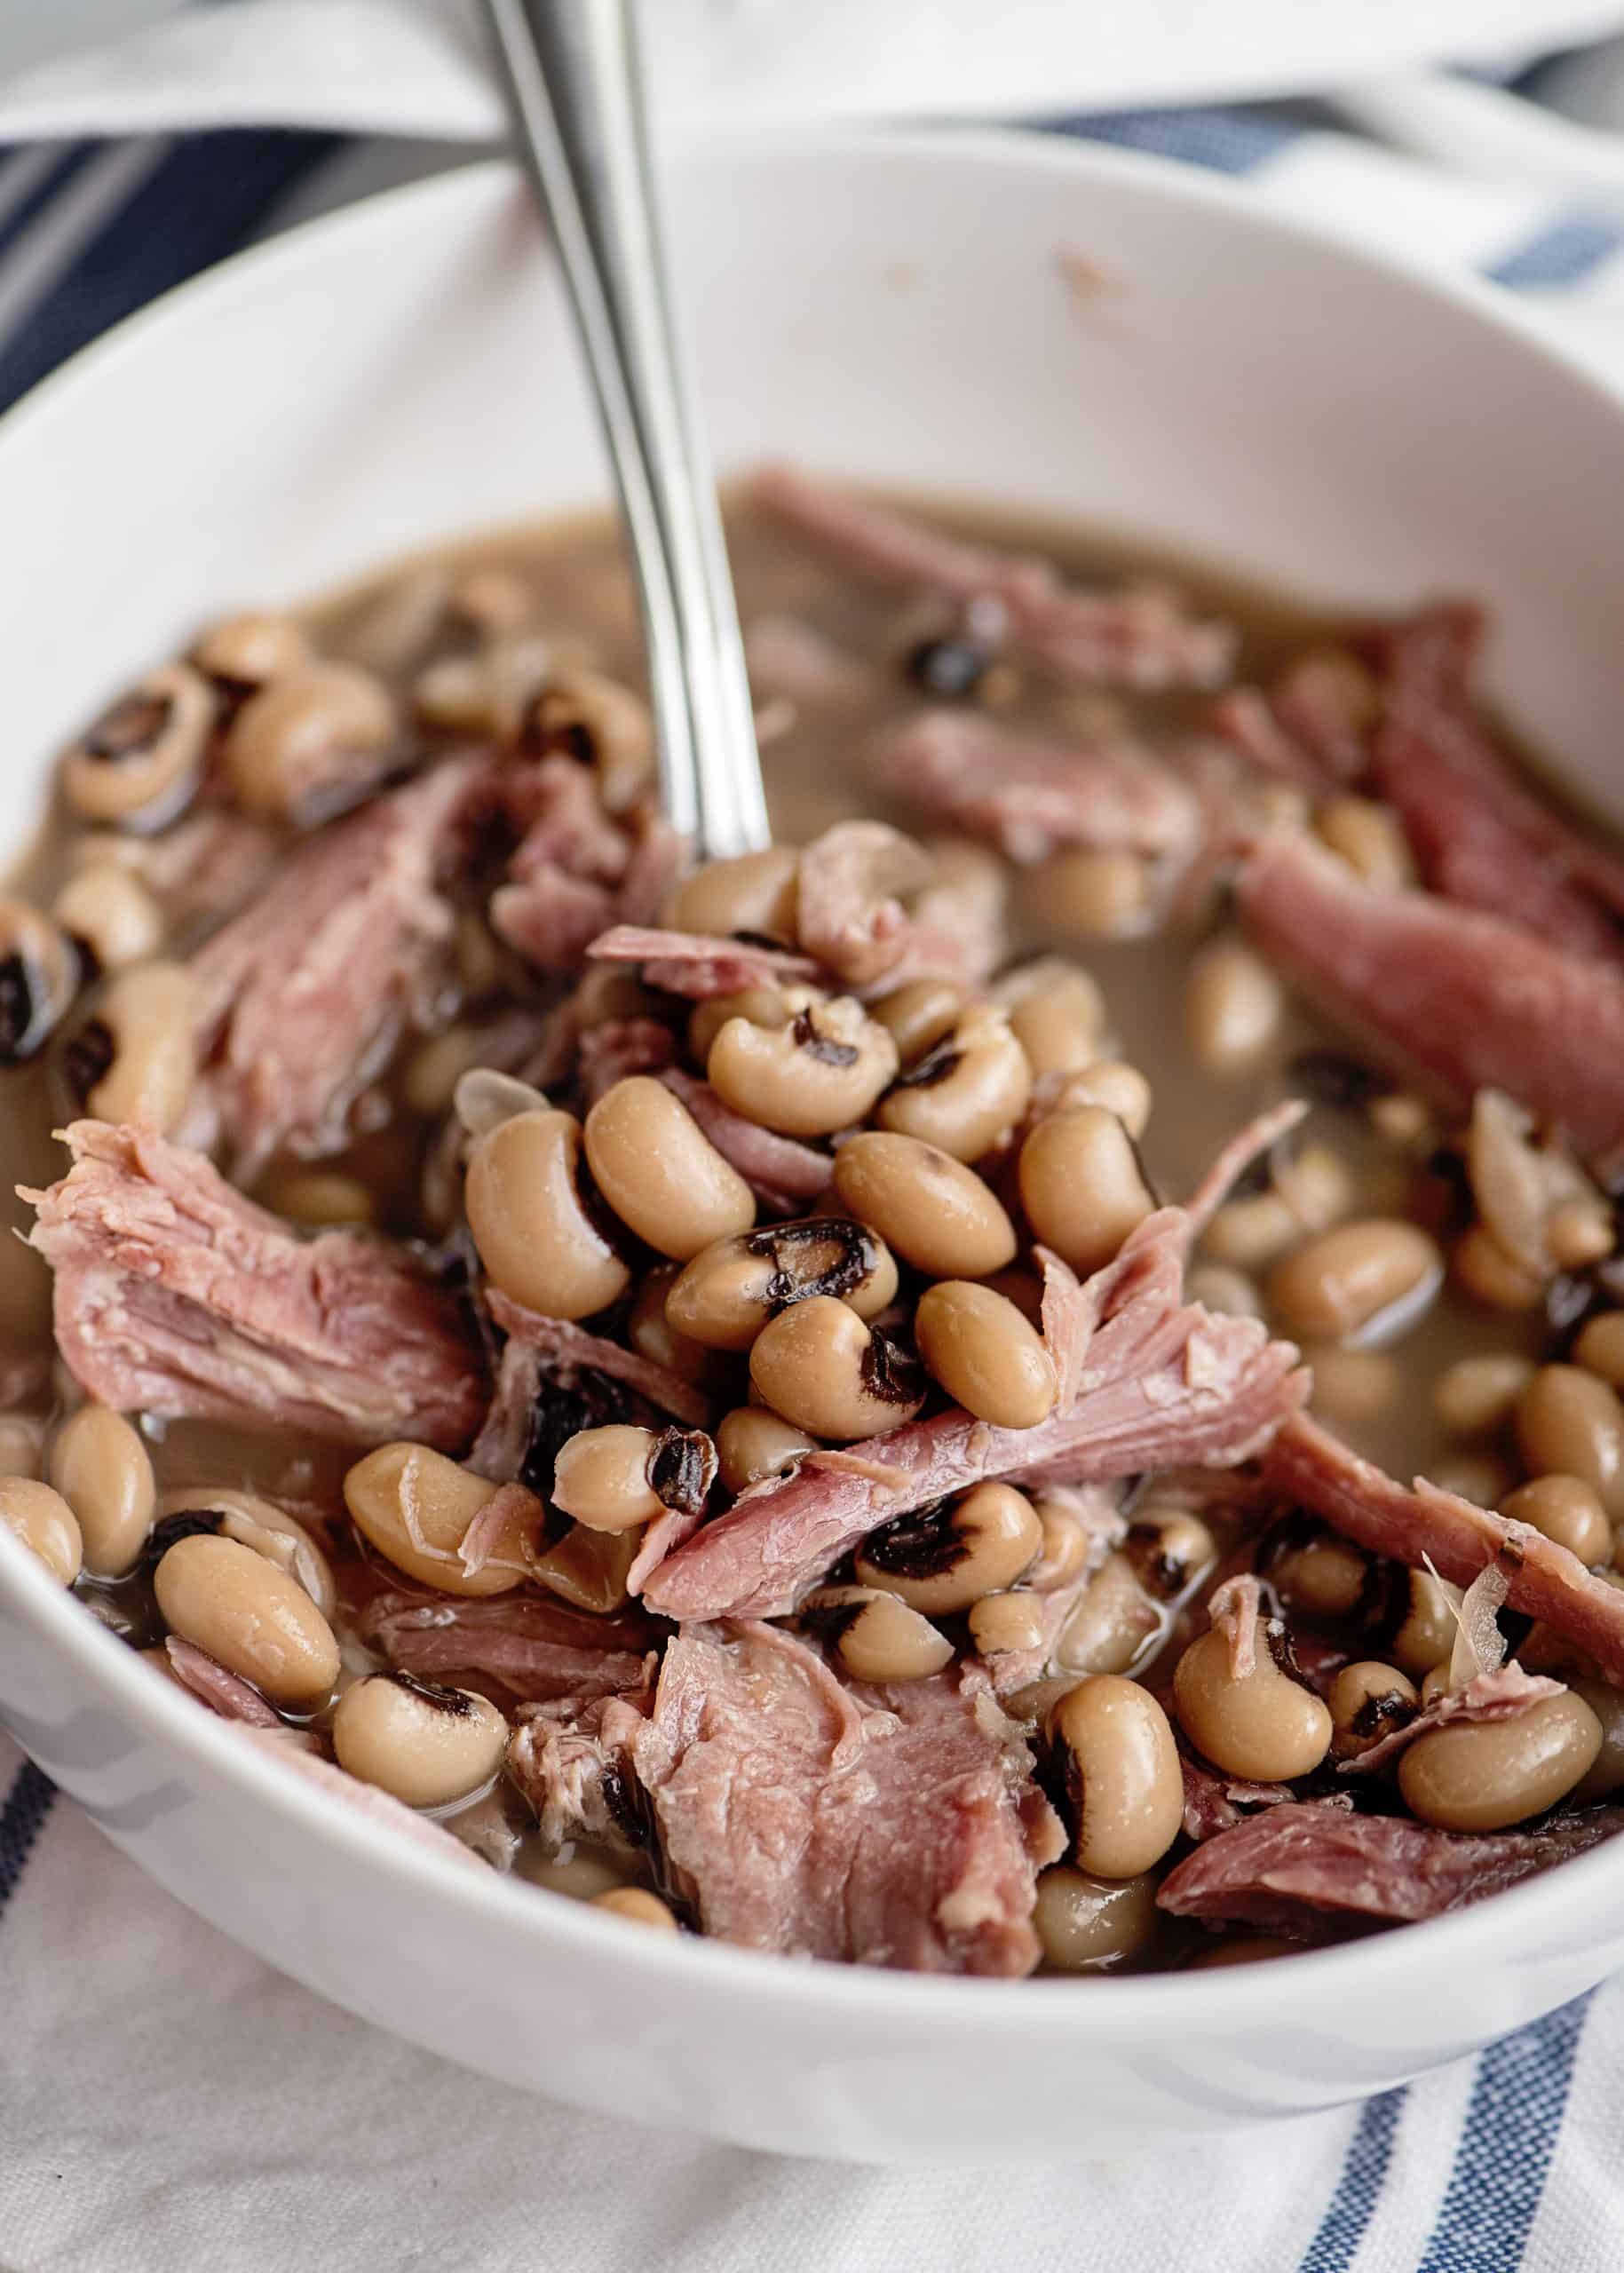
[1216, 2002]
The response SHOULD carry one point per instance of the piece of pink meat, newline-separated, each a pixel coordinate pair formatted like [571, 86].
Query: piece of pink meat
[1500, 1694]
[1140, 638]
[783, 1173]
[1309, 1466]
[793, 1816]
[175, 1295]
[537, 1646]
[1032, 795]
[1467, 1000]
[303, 994]
[1157, 1383]
[700, 964]
[1289, 1865]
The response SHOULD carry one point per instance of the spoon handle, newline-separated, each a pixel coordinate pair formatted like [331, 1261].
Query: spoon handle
[575, 93]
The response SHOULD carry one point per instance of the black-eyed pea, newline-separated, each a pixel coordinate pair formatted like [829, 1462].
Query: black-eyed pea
[763, 1006]
[935, 1212]
[316, 736]
[821, 1073]
[823, 1369]
[1119, 1768]
[140, 763]
[1057, 1014]
[919, 1014]
[1121, 1089]
[1221, 1286]
[944, 1558]
[1484, 1270]
[1317, 1185]
[1081, 1186]
[1605, 1774]
[661, 1173]
[254, 1618]
[1249, 1233]
[588, 1568]
[1486, 1775]
[135, 1060]
[39, 977]
[434, 1069]
[1370, 838]
[1112, 1624]
[111, 913]
[1005, 1623]
[598, 723]
[652, 1334]
[1088, 1925]
[1566, 1509]
[534, 1238]
[486, 693]
[575, 1872]
[1170, 1549]
[753, 1444]
[319, 1198]
[967, 1094]
[1580, 1233]
[101, 1466]
[415, 1507]
[1064, 1541]
[253, 1522]
[876, 1636]
[1233, 1004]
[757, 891]
[1354, 1386]
[1368, 1701]
[425, 1745]
[1478, 1395]
[45, 1523]
[1600, 1347]
[1376, 1274]
[1091, 893]
[1323, 1577]
[638, 1904]
[251, 648]
[1570, 1423]
[601, 1478]
[984, 1353]
[730, 1291]
[1262, 1725]
[1426, 1632]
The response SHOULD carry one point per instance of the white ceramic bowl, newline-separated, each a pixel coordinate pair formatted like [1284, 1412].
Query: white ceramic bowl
[898, 310]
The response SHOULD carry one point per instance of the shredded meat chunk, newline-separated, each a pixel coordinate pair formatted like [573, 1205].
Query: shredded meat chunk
[1140, 638]
[783, 1173]
[303, 994]
[1030, 795]
[1500, 1694]
[1160, 1384]
[1469, 1000]
[1458, 1539]
[793, 1816]
[175, 1295]
[1283, 1867]
[697, 964]
[536, 1646]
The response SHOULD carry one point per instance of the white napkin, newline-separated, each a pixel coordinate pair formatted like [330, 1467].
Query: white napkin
[418, 66]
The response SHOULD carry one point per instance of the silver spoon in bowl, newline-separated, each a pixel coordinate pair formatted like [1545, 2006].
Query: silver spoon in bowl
[574, 89]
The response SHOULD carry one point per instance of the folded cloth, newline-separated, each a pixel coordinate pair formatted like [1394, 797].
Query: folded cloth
[167, 2102]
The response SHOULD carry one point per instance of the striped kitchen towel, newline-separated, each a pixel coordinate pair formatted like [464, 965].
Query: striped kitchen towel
[166, 2102]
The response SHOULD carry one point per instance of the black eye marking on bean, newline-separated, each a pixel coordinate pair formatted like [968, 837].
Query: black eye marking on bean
[681, 1469]
[768, 941]
[570, 738]
[1160, 1573]
[192, 1523]
[922, 1544]
[831, 1621]
[129, 729]
[456, 1704]
[589, 1400]
[87, 1056]
[1380, 1716]
[1326, 1077]
[890, 1373]
[1254, 1180]
[821, 1046]
[19, 1008]
[950, 669]
[790, 1248]
[1278, 1635]
[936, 1066]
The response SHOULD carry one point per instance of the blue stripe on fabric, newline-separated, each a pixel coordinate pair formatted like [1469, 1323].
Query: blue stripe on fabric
[27, 1804]
[1226, 141]
[209, 197]
[1358, 2189]
[1564, 253]
[1507, 2142]
[69, 164]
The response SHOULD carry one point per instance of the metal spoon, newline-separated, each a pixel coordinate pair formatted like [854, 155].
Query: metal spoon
[575, 93]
